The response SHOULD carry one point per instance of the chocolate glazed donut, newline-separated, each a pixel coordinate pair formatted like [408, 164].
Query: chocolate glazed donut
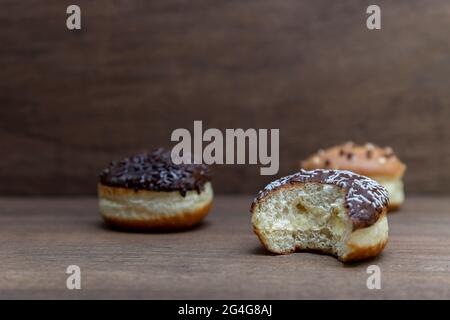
[333, 211]
[149, 192]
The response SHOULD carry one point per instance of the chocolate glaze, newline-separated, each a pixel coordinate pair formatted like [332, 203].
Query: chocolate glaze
[155, 171]
[365, 199]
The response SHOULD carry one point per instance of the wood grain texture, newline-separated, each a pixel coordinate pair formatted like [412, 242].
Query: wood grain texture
[221, 259]
[73, 101]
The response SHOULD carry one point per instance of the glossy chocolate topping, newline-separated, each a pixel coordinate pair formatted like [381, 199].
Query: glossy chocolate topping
[365, 199]
[155, 171]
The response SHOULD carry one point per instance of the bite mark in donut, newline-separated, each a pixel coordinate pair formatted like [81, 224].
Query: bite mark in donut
[334, 211]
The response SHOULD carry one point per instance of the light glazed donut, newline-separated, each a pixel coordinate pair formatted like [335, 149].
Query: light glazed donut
[380, 164]
[149, 192]
[333, 211]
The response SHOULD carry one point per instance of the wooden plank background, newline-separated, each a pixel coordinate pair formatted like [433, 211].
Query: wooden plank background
[73, 101]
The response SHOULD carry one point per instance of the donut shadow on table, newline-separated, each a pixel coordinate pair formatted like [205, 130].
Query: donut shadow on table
[198, 227]
[363, 263]
[260, 251]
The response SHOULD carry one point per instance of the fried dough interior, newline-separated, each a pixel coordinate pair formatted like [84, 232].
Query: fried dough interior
[308, 216]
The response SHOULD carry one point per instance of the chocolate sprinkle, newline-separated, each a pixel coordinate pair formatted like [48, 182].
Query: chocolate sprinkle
[155, 171]
[365, 199]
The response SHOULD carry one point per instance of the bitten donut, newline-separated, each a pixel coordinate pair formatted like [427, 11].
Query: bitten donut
[148, 191]
[380, 164]
[333, 211]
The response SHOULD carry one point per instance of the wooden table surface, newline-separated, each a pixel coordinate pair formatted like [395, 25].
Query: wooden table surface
[221, 259]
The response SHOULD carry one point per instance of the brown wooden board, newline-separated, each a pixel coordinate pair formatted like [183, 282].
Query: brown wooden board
[221, 259]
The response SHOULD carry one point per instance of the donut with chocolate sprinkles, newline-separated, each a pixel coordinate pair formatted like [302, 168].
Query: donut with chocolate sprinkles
[147, 191]
[155, 171]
